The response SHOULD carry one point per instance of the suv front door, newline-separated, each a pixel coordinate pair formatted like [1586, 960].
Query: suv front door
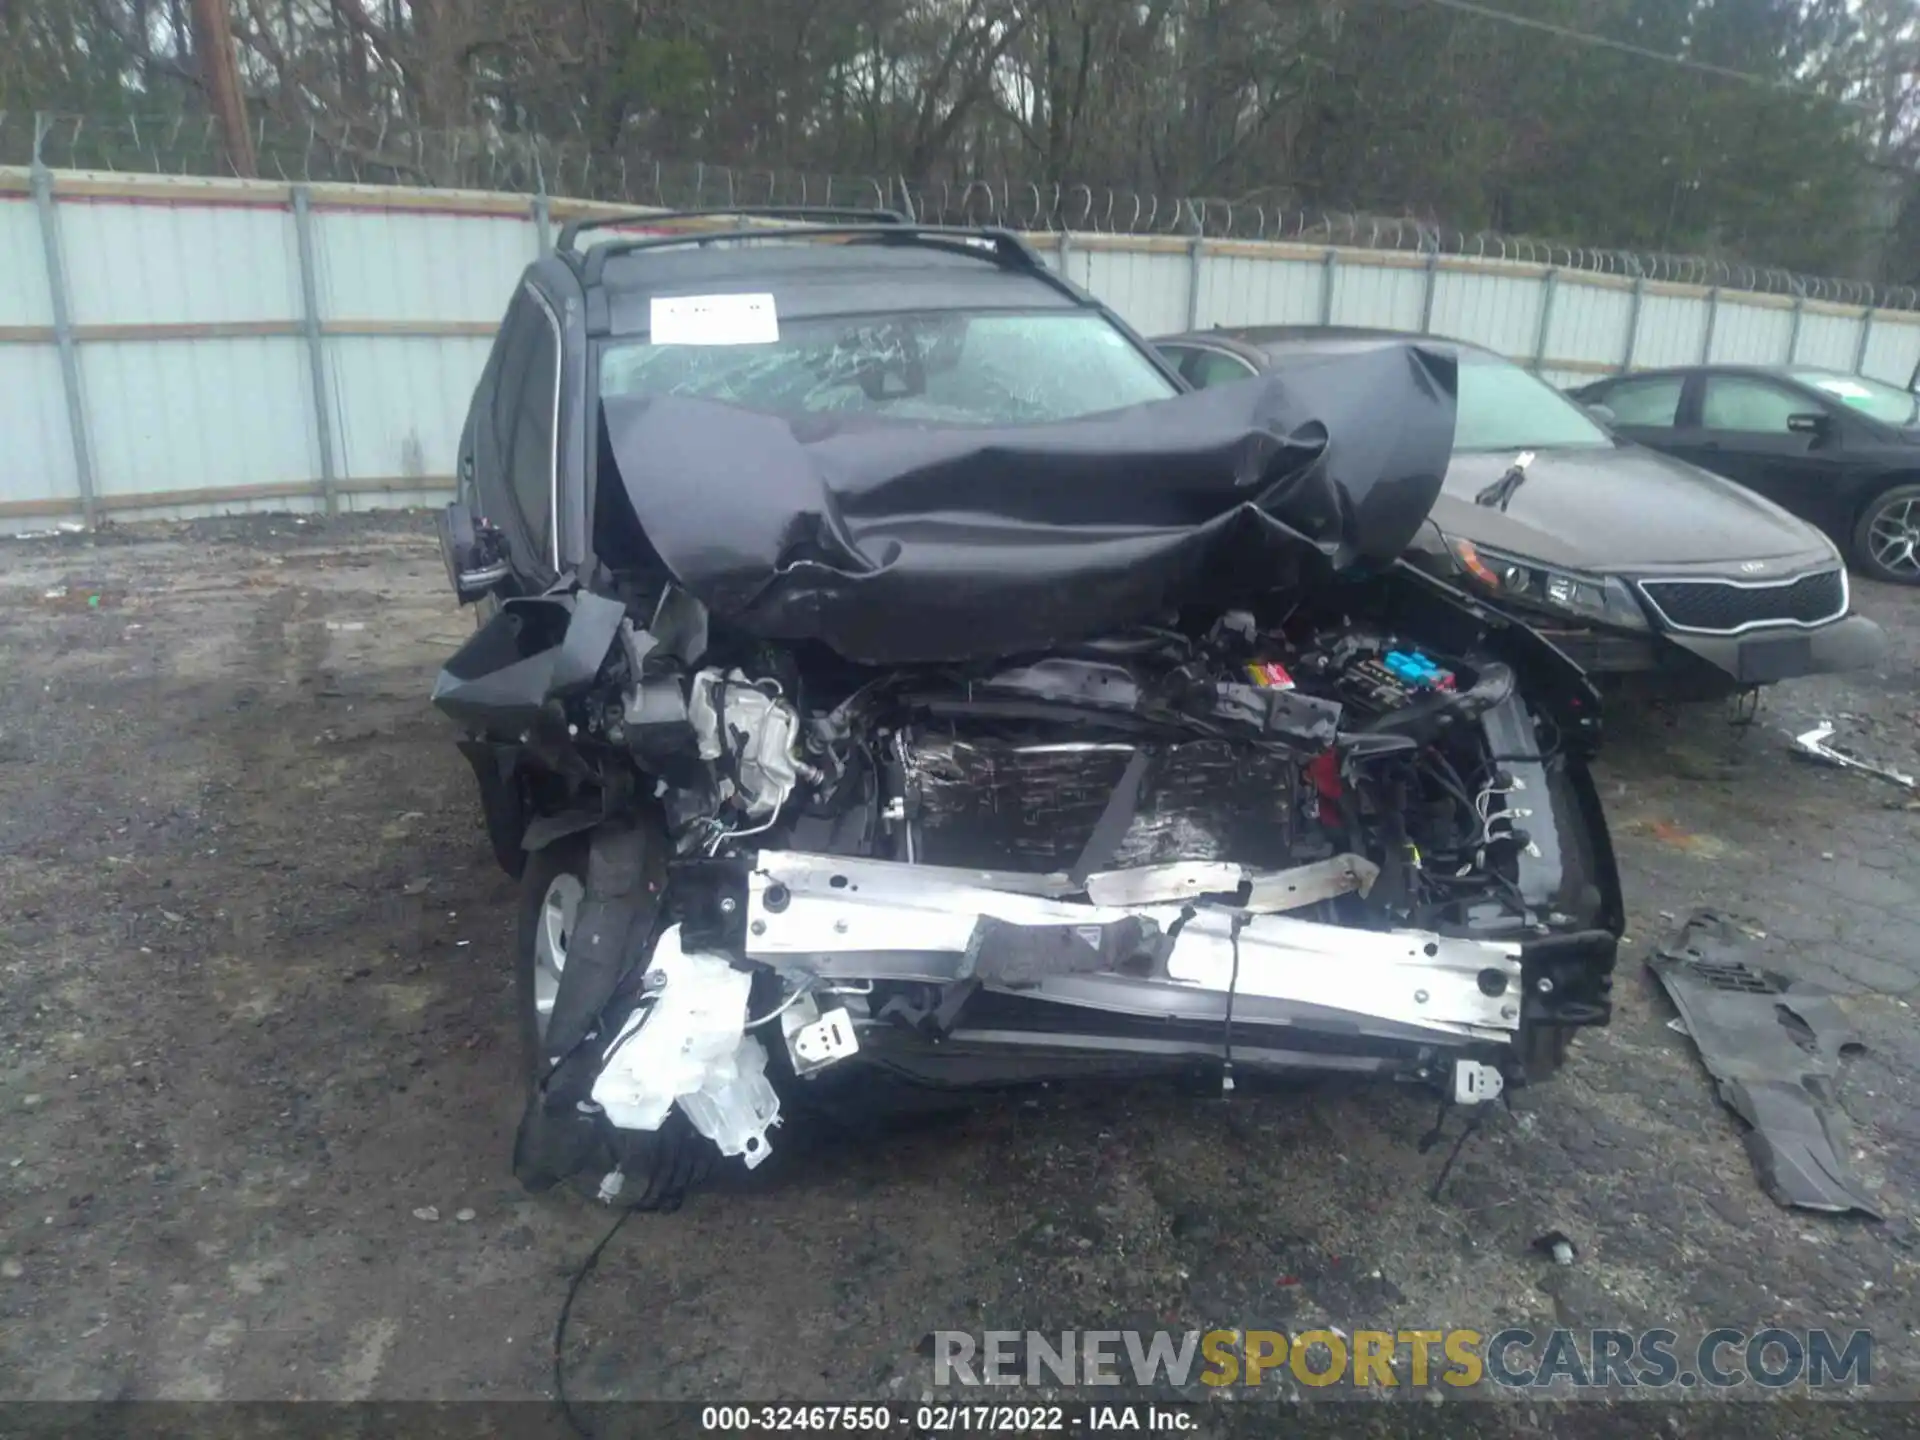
[509, 451]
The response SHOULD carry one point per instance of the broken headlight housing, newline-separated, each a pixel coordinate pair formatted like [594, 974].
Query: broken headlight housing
[1604, 599]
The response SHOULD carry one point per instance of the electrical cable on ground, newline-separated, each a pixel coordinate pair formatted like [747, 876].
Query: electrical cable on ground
[1467, 1132]
[560, 1328]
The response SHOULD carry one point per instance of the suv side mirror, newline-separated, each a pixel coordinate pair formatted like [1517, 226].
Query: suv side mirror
[475, 552]
[1604, 414]
[1811, 423]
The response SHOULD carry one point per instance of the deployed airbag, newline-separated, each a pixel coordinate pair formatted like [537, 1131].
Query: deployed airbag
[895, 541]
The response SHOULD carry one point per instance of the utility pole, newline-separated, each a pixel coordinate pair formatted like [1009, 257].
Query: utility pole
[220, 72]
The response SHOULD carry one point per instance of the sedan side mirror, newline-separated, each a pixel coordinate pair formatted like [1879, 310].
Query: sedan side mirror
[1812, 423]
[1604, 414]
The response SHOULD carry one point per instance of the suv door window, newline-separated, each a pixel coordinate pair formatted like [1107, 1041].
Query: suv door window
[1653, 404]
[524, 414]
[1741, 402]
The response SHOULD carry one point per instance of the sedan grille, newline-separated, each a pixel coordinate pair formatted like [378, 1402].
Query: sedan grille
[1723, 607]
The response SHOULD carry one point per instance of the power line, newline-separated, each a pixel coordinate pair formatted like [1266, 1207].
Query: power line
[1488, 12]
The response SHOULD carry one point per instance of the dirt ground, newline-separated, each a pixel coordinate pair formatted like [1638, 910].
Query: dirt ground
[256, 1021]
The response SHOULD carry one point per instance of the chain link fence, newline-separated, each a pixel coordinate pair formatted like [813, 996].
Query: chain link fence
[377, 152]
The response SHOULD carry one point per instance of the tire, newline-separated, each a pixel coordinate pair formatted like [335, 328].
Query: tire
[550, 876]
[1886, 541]
[659, 1166]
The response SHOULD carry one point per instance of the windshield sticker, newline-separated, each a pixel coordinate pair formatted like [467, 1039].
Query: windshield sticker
[713, 320]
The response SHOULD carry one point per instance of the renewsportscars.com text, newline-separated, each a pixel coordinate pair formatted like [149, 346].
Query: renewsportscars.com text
[1771, 1358]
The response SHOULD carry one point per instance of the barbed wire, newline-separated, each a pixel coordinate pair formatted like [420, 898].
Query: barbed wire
[486, 158]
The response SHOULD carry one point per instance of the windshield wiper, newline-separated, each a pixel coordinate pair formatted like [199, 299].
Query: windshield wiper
[1500, 492]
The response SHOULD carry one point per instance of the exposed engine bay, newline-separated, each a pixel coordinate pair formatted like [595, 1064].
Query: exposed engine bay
[1190, 842]
[860, 757]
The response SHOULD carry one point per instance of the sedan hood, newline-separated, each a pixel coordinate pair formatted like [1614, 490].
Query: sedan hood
[1622, 510]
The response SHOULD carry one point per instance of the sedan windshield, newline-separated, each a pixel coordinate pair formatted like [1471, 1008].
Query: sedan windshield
[1869, 397]
[1502, 407]
[980, 369]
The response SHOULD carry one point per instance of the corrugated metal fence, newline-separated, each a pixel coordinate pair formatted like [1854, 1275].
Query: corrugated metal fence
[186, 346]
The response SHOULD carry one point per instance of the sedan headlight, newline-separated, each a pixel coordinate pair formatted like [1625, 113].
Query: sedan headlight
[1515, 578]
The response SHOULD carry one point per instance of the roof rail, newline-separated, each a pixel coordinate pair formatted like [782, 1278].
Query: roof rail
[1006, 248]
[823, 213]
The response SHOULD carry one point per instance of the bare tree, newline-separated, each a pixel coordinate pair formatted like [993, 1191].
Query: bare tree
[1463, 119]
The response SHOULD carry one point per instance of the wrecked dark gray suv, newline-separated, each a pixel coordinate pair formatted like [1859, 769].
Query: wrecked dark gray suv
[888, 672]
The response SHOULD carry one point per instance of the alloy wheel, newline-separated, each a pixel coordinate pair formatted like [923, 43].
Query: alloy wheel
[559, 908]
[1894, 537]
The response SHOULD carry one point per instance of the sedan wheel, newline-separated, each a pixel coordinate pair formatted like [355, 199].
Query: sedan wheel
[1887, 540]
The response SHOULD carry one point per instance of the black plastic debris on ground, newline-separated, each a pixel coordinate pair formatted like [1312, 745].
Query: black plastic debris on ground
[1773, 1046]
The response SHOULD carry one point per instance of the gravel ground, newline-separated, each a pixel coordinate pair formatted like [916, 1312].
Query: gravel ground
[257, 1080]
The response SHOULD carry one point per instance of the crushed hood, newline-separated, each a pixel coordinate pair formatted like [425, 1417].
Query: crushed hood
[895, 542]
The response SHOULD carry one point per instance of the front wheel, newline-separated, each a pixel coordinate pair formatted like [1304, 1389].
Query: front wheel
[552, 888]
[1886, 542]
[657, 1167]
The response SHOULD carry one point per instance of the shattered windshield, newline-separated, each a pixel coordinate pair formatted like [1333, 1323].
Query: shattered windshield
[962, 369]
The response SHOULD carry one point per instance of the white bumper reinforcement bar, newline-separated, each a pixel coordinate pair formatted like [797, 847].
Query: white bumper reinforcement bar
[824, 913]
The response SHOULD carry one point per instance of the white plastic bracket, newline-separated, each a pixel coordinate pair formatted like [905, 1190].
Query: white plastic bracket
[816, 1043]
[1476, 1084]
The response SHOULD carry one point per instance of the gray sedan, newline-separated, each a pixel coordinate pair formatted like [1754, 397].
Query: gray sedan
[1634, 563]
